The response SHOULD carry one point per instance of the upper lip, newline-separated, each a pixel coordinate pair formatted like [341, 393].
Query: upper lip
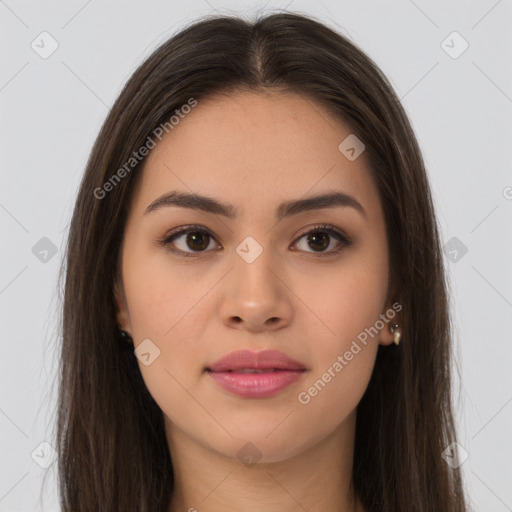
[247, 359]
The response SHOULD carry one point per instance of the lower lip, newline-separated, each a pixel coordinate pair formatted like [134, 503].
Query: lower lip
[255, 385]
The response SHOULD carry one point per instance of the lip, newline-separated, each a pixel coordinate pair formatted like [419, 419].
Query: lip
[276, 371]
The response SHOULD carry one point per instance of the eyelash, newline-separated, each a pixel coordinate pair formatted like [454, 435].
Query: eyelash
[323, 228]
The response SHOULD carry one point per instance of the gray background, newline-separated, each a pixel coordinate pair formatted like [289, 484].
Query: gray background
[52, 109]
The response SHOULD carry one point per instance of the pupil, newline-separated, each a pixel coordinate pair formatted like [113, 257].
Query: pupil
[193, 238]
[314, 237]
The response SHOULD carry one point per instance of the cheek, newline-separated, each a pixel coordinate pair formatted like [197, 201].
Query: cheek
[344, 354]
[347, 299]
[349, 304]
[165, 307]
[164, 297]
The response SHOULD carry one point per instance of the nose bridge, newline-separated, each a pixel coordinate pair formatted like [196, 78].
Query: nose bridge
[253, 268]
[255, 296]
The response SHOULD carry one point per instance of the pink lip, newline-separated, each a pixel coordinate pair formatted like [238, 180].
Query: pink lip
[282, 372]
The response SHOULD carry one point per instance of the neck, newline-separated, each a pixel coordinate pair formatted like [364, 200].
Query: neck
[318, 478]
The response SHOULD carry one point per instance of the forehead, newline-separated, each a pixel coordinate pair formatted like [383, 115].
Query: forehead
[254, 150]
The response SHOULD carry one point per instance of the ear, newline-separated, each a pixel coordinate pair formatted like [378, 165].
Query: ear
[391, 315]
[122, 313]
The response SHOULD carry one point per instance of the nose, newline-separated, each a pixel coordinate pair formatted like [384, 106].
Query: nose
[256, 297]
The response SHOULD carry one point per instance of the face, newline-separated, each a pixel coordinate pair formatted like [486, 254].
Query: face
[310, 282]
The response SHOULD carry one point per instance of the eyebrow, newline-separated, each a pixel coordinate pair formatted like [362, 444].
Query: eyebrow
[285, 209]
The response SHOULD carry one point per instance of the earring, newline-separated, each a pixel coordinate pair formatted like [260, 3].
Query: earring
[125, 336]
[393, 328]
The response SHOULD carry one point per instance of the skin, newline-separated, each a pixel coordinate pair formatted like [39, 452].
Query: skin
[197, 309]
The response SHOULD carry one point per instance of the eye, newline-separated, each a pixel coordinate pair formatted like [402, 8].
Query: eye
[320, 238]
[197, 238]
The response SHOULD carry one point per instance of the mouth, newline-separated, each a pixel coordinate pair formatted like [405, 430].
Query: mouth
[255, 374]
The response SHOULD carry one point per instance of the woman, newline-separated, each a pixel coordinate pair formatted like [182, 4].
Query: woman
[255, 310]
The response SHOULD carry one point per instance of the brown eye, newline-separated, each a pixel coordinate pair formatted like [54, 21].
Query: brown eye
[197, 240]
[320, 238]
[187, 241]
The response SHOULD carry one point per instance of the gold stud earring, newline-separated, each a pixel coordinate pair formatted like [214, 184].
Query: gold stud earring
[396, 338]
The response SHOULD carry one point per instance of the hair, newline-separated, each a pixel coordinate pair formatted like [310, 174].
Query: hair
[112, 448]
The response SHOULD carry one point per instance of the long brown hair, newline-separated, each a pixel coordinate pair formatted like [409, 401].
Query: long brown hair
[112, 449]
